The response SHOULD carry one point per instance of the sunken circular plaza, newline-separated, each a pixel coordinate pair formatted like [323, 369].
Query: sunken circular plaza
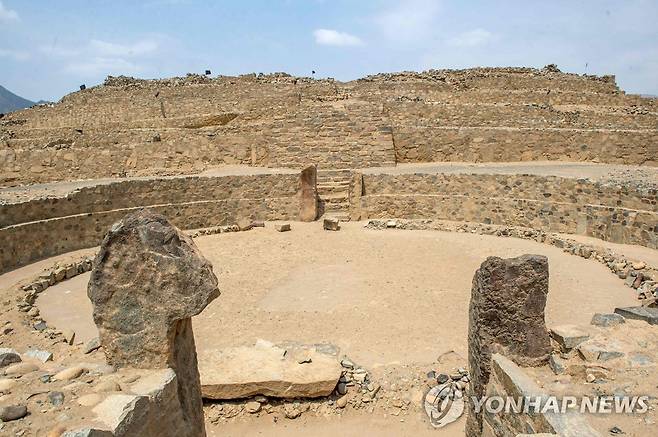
[427, 173]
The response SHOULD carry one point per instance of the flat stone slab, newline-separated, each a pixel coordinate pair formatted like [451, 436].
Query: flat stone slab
[649, 315]
[269, 370]
[569, 336]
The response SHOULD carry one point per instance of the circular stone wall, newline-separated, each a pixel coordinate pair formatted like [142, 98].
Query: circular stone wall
[383, 297]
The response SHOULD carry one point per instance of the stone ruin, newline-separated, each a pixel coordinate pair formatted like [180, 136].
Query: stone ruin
[507, 330]
[148, 280]
[225, 154]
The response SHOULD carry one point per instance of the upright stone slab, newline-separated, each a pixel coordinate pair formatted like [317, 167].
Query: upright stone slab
[506, 316]
[148, 280]
[308, 194]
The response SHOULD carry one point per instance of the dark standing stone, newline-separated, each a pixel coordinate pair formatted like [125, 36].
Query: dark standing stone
[506, 316]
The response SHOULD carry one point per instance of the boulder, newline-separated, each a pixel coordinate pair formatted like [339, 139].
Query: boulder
[148, 280]
[266, 369]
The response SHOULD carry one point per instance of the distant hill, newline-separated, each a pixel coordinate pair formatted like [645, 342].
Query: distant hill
[11, 102]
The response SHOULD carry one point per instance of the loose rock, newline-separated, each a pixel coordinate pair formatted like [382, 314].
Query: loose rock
[8, 356]
[607, 320]
[12, 412]
[68, 374]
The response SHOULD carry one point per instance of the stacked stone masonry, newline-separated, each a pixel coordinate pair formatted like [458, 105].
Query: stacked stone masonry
[621, 214]
[130, 127]
[43, 227]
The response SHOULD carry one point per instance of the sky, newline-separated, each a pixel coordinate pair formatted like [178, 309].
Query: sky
[48, 48]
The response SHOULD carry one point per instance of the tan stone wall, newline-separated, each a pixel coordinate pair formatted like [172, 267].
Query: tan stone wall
[47, 227]
[185, 125]
[508, 379]
[613, 213]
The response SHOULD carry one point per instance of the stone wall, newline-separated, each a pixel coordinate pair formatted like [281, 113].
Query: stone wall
[45, 227]
[508, 379]
[130, 127]
[617, 213]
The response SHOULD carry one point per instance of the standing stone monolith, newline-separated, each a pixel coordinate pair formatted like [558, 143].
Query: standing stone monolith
[308, 194]
[506, 316]
[148, 280]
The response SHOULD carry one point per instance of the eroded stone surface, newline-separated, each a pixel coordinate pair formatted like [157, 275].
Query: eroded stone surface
[268, 370]
[148, 280]
[506, 315]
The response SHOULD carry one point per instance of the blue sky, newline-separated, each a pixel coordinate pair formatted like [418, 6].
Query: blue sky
[48, 48]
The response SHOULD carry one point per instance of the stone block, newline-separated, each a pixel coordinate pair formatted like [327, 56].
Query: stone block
[647, 314]
[331, 224]
[558, 365]
[269, 370]
[245, 224]
[124, 414]
[568, 336]
[596, 351]
[284, 227]
[607, 320]
[40, 355]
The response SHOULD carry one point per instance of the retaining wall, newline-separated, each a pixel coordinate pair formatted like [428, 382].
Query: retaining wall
[614, 213]
[49, 226]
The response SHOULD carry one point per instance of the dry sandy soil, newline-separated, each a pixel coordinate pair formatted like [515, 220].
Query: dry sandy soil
[383, 297]
[392, 301]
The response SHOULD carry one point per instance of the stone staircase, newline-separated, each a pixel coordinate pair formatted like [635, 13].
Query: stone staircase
[333, 191]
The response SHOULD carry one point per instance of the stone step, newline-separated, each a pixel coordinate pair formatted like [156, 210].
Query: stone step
[325, 191]
[332, 184]
[335, 199]
[340, 216]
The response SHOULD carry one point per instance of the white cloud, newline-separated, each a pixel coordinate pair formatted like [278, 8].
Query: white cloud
[329, 37]
[7, 14]
[103, 66]
[98, 58]
[472, 38]
[410, 20]
[14, 54]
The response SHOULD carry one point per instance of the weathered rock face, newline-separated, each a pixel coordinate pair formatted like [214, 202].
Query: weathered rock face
[506, 316]
[308, 194]
[267, 369]
[148, 280]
